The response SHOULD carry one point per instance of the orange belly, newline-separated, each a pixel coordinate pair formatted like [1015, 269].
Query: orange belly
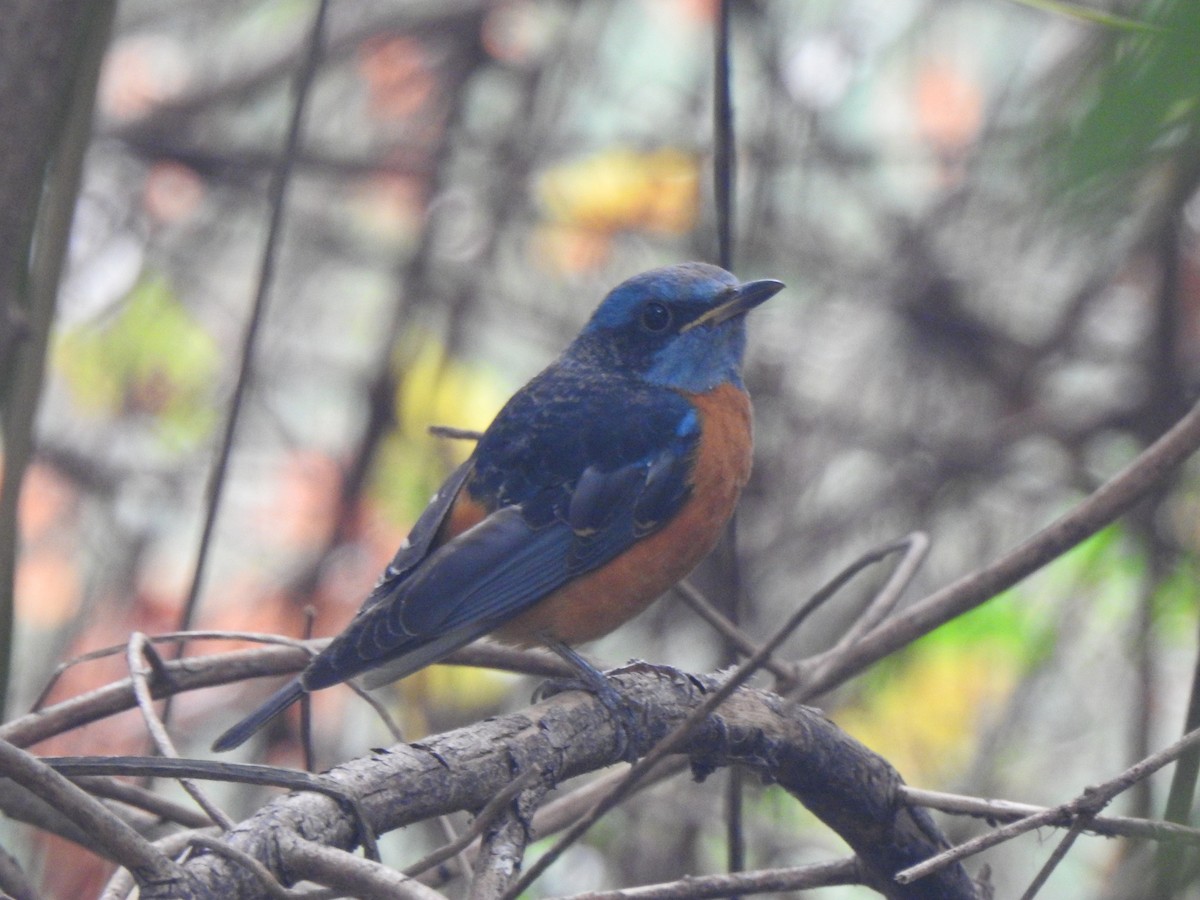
[595, 603]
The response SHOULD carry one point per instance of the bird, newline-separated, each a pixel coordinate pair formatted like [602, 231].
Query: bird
[599, 485]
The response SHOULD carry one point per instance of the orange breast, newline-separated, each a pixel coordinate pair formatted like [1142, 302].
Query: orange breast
[463, 515]
[596, 603]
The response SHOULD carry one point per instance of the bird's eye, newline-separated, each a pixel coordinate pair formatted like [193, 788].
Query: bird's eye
[656, 317]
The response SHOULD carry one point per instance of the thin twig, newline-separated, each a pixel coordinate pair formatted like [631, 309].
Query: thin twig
[829, 874]
[147, 801]
[268, 881]
[351, 875]
[277, 195]
[724, 151]
[833, 667]
[158, 732]
[240, 773]
[113, 838]
[481, 821]
[1060, 853]
[171, 637]
[1008, 811]
[885, 601]
[457, 434]
[668, 744]
[306, 742]
[724, 172]
[239, 665]
[1087, 804]
[704, 608]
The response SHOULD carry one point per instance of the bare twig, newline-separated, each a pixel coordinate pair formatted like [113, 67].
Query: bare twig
[831, 668]
[887, 598]
[239, 665]
[139, 798]
[66, 48]
[241, 773]
[456, 434]
[1060, 853]
[172, 637]
[351, 875]
[724, 151]
[246, 861]
[481, 821]
[112, 837]
[158, 732]
[1008, 811]
[503, 842]
[277, 198]
[704, 608]
[800, 878]
[1086, 805]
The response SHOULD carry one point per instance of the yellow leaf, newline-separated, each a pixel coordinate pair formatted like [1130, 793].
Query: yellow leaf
[620, 189]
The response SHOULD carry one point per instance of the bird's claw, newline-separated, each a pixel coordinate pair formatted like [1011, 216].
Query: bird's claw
[623, 713]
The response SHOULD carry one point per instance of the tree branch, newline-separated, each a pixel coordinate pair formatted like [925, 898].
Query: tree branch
[849, 787]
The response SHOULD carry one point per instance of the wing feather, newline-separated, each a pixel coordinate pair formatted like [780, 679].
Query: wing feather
[491, 573]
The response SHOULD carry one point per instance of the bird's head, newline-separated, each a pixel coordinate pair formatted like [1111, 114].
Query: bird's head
[681, 326]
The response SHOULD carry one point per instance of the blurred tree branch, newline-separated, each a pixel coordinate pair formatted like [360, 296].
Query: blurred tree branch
[50, 55]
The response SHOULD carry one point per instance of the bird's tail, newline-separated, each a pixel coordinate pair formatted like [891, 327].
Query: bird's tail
[277, 703]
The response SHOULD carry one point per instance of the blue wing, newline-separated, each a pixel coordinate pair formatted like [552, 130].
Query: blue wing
[416, 546]
[558, 528]
[572, 478]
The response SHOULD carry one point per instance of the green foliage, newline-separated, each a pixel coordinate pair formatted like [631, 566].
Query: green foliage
[1090, 15]
[1147, 101]
[152, 359]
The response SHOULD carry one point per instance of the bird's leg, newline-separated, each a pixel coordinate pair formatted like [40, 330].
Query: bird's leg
[595, 682]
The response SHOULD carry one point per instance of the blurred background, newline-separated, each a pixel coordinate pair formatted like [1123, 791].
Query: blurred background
[985, 212]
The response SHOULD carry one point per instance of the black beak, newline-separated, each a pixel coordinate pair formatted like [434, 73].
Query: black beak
[742, 299]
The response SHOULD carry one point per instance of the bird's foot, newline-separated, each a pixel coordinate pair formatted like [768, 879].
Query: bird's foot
[590, 679]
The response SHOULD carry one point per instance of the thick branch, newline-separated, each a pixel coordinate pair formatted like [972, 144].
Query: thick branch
[849, 787]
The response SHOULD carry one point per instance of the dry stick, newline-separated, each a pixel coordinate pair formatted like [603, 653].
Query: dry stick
[171, 637]
[158, 732]
[1087, 805]
[455, 434]
[724, 196]
[482, 820]
[703, 607]
[351, 875]
[827, 874]
[306, 744]
[268, 881]
[833, 667]
[876, 611]
[885, 601]
[147, 801]
[277, 195]
[465, 869]
[668, 744]
[114, 839]
[122, 883]
[222, 668]
[1059, 854]
[553, 817]
[241, 773]
[502, 845]
[1009, 811]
